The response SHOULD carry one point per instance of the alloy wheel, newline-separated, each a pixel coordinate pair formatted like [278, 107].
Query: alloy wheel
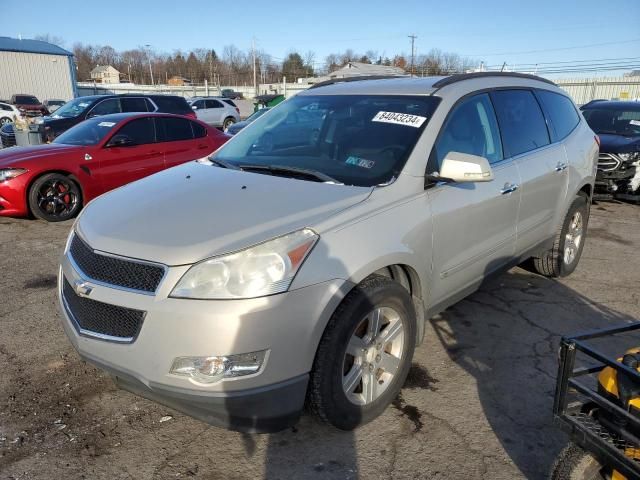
[573, 238]
[57, 198]
[373, 356]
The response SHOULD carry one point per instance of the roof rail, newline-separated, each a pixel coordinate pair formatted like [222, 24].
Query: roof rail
[354, 79]
[459, 77]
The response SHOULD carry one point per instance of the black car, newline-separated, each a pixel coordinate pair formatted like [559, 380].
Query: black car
[79, 109]
[7, 137]
[229, 93]
[617, 123]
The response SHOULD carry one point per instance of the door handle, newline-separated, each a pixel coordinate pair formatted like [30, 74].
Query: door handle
[202, 147]
[561, 166]
[154, 153]
[509, 188]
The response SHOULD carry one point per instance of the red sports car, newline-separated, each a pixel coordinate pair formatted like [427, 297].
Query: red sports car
[53, 181]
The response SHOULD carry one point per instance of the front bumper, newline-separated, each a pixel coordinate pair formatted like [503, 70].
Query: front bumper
[288, 326]
[13, 196]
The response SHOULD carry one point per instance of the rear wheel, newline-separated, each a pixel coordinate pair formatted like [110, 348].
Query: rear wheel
[55, 197]
[562, 259]
[5, 121]
[227, 123]
[574, 463]
[364, 355]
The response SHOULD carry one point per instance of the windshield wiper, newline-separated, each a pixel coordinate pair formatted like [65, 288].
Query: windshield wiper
[276, 169]
[223, 164]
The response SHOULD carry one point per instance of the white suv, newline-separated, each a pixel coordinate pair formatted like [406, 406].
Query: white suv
[8, 113]
[215, 111]
[302, 258]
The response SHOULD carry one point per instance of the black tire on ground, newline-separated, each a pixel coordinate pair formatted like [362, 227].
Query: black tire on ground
[325, 395]
[574, 463]
[5, 120]
[227, 123]
[54, 197]
[552, 262]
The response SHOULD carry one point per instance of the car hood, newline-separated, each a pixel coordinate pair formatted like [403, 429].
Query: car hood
[197, 210]
[11, 157]
[618, 143]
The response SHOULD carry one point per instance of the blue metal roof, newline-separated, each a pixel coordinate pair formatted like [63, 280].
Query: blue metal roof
[8, 44]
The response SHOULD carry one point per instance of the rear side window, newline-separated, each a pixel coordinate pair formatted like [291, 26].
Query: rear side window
[175, 129]
[471, 128]
[521, 121]
[133, 105]
[228, 101]
[560, 112]
[105, 107]
[171, 104]
[213, 104]
[198, 130]
[141, 131]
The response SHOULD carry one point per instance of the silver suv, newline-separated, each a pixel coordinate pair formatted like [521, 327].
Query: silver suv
[300, 261]
[216, 111]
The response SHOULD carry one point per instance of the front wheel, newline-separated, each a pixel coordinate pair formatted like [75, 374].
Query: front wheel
[55, 197]
[364, 355]
[5, 121]
[562, 259]
[227, 123]
[574, 463]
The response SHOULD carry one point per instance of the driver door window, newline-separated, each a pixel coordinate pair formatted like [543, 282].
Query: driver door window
[106, 107]
[471, 128]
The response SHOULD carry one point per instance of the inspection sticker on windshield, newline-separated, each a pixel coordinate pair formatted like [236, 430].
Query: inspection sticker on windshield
[359, 162]
[106, 124]
[407, 119]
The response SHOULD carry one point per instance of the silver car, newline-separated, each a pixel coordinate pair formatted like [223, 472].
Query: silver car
[216, 111]
[302, 259]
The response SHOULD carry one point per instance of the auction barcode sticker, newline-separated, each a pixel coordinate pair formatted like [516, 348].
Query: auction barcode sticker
[407, 119]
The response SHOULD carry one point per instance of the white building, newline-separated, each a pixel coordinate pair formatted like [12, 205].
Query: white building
[36, 68]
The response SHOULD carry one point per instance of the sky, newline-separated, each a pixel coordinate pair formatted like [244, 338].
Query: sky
[515, 32]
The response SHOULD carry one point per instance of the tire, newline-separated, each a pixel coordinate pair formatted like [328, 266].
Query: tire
[574, 463]
[55, 198]
[388, 355]
[227, 123]
[5, 120]
[557, 262]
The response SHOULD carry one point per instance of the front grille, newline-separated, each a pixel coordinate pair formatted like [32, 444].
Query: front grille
[102, 319]
[115, 271]
[608, 162]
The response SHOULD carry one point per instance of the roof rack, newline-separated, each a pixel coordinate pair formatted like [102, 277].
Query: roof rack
[354, 79]
[459, 77]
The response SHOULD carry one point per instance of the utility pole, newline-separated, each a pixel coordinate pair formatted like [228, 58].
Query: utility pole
[413, 54]
[253, 51]
[149, 59]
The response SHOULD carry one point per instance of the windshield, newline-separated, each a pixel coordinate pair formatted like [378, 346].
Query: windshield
[616, 122]
[72, 108]
[89, 132]
[27, 100]
[361, 140]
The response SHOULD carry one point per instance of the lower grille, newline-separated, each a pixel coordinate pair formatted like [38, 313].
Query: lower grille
[102, 320]
[608, 162]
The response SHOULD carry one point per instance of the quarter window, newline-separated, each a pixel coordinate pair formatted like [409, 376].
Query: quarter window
[141, 131]
[471, 128]
[198, 130]
[561, 113]
[521, 121]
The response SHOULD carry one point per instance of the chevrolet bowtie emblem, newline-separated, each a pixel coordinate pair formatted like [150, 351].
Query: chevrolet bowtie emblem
[82, 289]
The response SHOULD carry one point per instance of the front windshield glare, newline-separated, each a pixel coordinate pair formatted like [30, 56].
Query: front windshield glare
[89, 132]
[616, 122]
[72, 108]
[361, 140]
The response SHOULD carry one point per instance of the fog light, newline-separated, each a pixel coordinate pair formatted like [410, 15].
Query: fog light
[214, 369]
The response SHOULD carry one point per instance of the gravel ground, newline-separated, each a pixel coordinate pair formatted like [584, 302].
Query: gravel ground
[476, 405]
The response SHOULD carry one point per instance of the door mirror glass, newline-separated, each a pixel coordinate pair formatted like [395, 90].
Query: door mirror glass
[120, 140]
[465, 168]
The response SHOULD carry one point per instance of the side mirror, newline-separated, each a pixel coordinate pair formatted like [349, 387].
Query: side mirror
[193, 107]
[120, 140]
[465, 168]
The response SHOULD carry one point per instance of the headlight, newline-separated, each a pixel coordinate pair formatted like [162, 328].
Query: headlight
[263, 269]
[629, 157]
[8, 173]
